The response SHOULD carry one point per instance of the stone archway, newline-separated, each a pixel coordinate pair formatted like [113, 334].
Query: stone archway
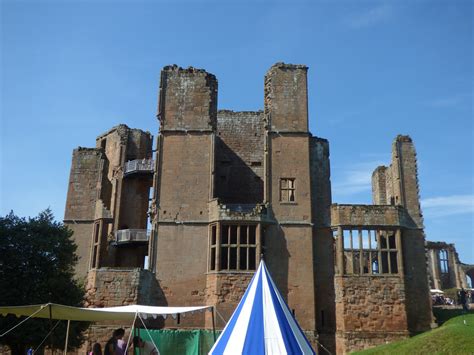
[469, 272]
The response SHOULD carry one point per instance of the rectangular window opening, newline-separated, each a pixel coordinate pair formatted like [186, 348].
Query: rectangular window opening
[224, 258]
[237, 244]
[368, 251]
[233, 234]
[213, 258]
[213, 235]
[252, 258]
[233, 258]
[243, 258]
[225, 235]
[393, 262]
[252, 234]
[287, 190]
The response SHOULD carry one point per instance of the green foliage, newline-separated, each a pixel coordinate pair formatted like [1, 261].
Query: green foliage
[453, 337]
[37, 258]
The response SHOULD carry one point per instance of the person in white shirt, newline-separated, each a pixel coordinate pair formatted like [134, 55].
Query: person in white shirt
[145, 347]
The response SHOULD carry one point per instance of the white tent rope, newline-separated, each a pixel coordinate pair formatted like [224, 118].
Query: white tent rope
[149, 334]
[23, 321]
[46, 337]
[321, 345]
[131, 332]
[220, 316]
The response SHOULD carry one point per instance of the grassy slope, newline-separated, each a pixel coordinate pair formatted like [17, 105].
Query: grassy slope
[453, 337]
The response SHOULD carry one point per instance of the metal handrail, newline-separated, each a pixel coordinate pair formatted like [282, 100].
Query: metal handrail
[139, 165]
[132, 235]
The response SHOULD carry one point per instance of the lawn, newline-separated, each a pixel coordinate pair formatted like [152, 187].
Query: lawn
[453, 337]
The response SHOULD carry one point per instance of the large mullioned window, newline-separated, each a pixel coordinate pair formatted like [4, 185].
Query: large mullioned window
[370, 251]
[233, 247]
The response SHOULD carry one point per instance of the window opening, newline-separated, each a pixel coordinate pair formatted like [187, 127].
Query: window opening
[370, 251]
[237, 246]
[95, 247]
[443, 261]
[213, 243]
[287, 190]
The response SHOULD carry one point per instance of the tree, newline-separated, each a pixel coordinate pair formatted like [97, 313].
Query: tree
[37, 258]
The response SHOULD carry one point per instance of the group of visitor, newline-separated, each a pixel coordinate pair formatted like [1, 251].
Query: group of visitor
[440, 300]
[464, 298]
[117, 346]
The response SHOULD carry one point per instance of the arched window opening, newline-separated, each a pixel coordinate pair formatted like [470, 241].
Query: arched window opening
[443, 261]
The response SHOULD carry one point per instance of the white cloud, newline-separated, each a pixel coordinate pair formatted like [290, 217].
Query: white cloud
[370, 17]
[448, 205]
[356, 178]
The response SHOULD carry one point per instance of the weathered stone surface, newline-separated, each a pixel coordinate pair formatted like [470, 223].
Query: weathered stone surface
[370, 216]
[239, 157]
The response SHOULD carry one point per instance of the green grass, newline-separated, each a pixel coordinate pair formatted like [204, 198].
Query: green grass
[453, 337]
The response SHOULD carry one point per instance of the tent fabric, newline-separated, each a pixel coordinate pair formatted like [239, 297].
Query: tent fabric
[62, 312]
[185, 342]
[262, 323]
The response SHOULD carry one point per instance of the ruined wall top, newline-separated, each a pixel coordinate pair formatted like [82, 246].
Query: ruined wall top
[379, 186]
[404, 171]
[187, 99]
[402, 138]
[123, 131]
[286, 98]
[370, 216]
[188, 70]
[439, 245]
[287, 66]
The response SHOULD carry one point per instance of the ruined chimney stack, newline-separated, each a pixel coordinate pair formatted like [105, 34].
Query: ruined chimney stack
[187, 99]
[286, 98]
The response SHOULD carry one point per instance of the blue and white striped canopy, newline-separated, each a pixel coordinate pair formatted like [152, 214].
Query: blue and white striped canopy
[262, 323]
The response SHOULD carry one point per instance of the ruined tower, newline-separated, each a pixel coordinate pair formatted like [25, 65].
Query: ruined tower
[108, 199]
[379, 257]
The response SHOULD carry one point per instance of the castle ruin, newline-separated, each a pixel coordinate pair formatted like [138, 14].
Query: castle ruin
[222, 189]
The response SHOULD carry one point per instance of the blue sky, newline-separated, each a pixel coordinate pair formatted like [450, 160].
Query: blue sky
[70, 70]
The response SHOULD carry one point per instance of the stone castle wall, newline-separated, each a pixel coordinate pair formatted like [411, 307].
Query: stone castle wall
[239, 157]
[370, 310]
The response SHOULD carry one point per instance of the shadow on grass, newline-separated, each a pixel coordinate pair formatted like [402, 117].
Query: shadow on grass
[444, 314]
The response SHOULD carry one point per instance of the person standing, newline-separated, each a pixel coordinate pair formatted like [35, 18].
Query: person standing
[463, 299]
[112, 346]
[96, 349]
[144, 347]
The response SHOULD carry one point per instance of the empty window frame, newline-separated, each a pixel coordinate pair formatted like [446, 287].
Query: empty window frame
[94, 262]
[235, 248]
[443, 261]
[287, 190]
[370, 251]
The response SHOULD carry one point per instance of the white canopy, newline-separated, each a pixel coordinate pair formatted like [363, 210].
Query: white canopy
[58, 311]
[435, 290]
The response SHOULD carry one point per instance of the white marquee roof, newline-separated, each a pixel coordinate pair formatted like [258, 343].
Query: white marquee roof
[58, 311]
